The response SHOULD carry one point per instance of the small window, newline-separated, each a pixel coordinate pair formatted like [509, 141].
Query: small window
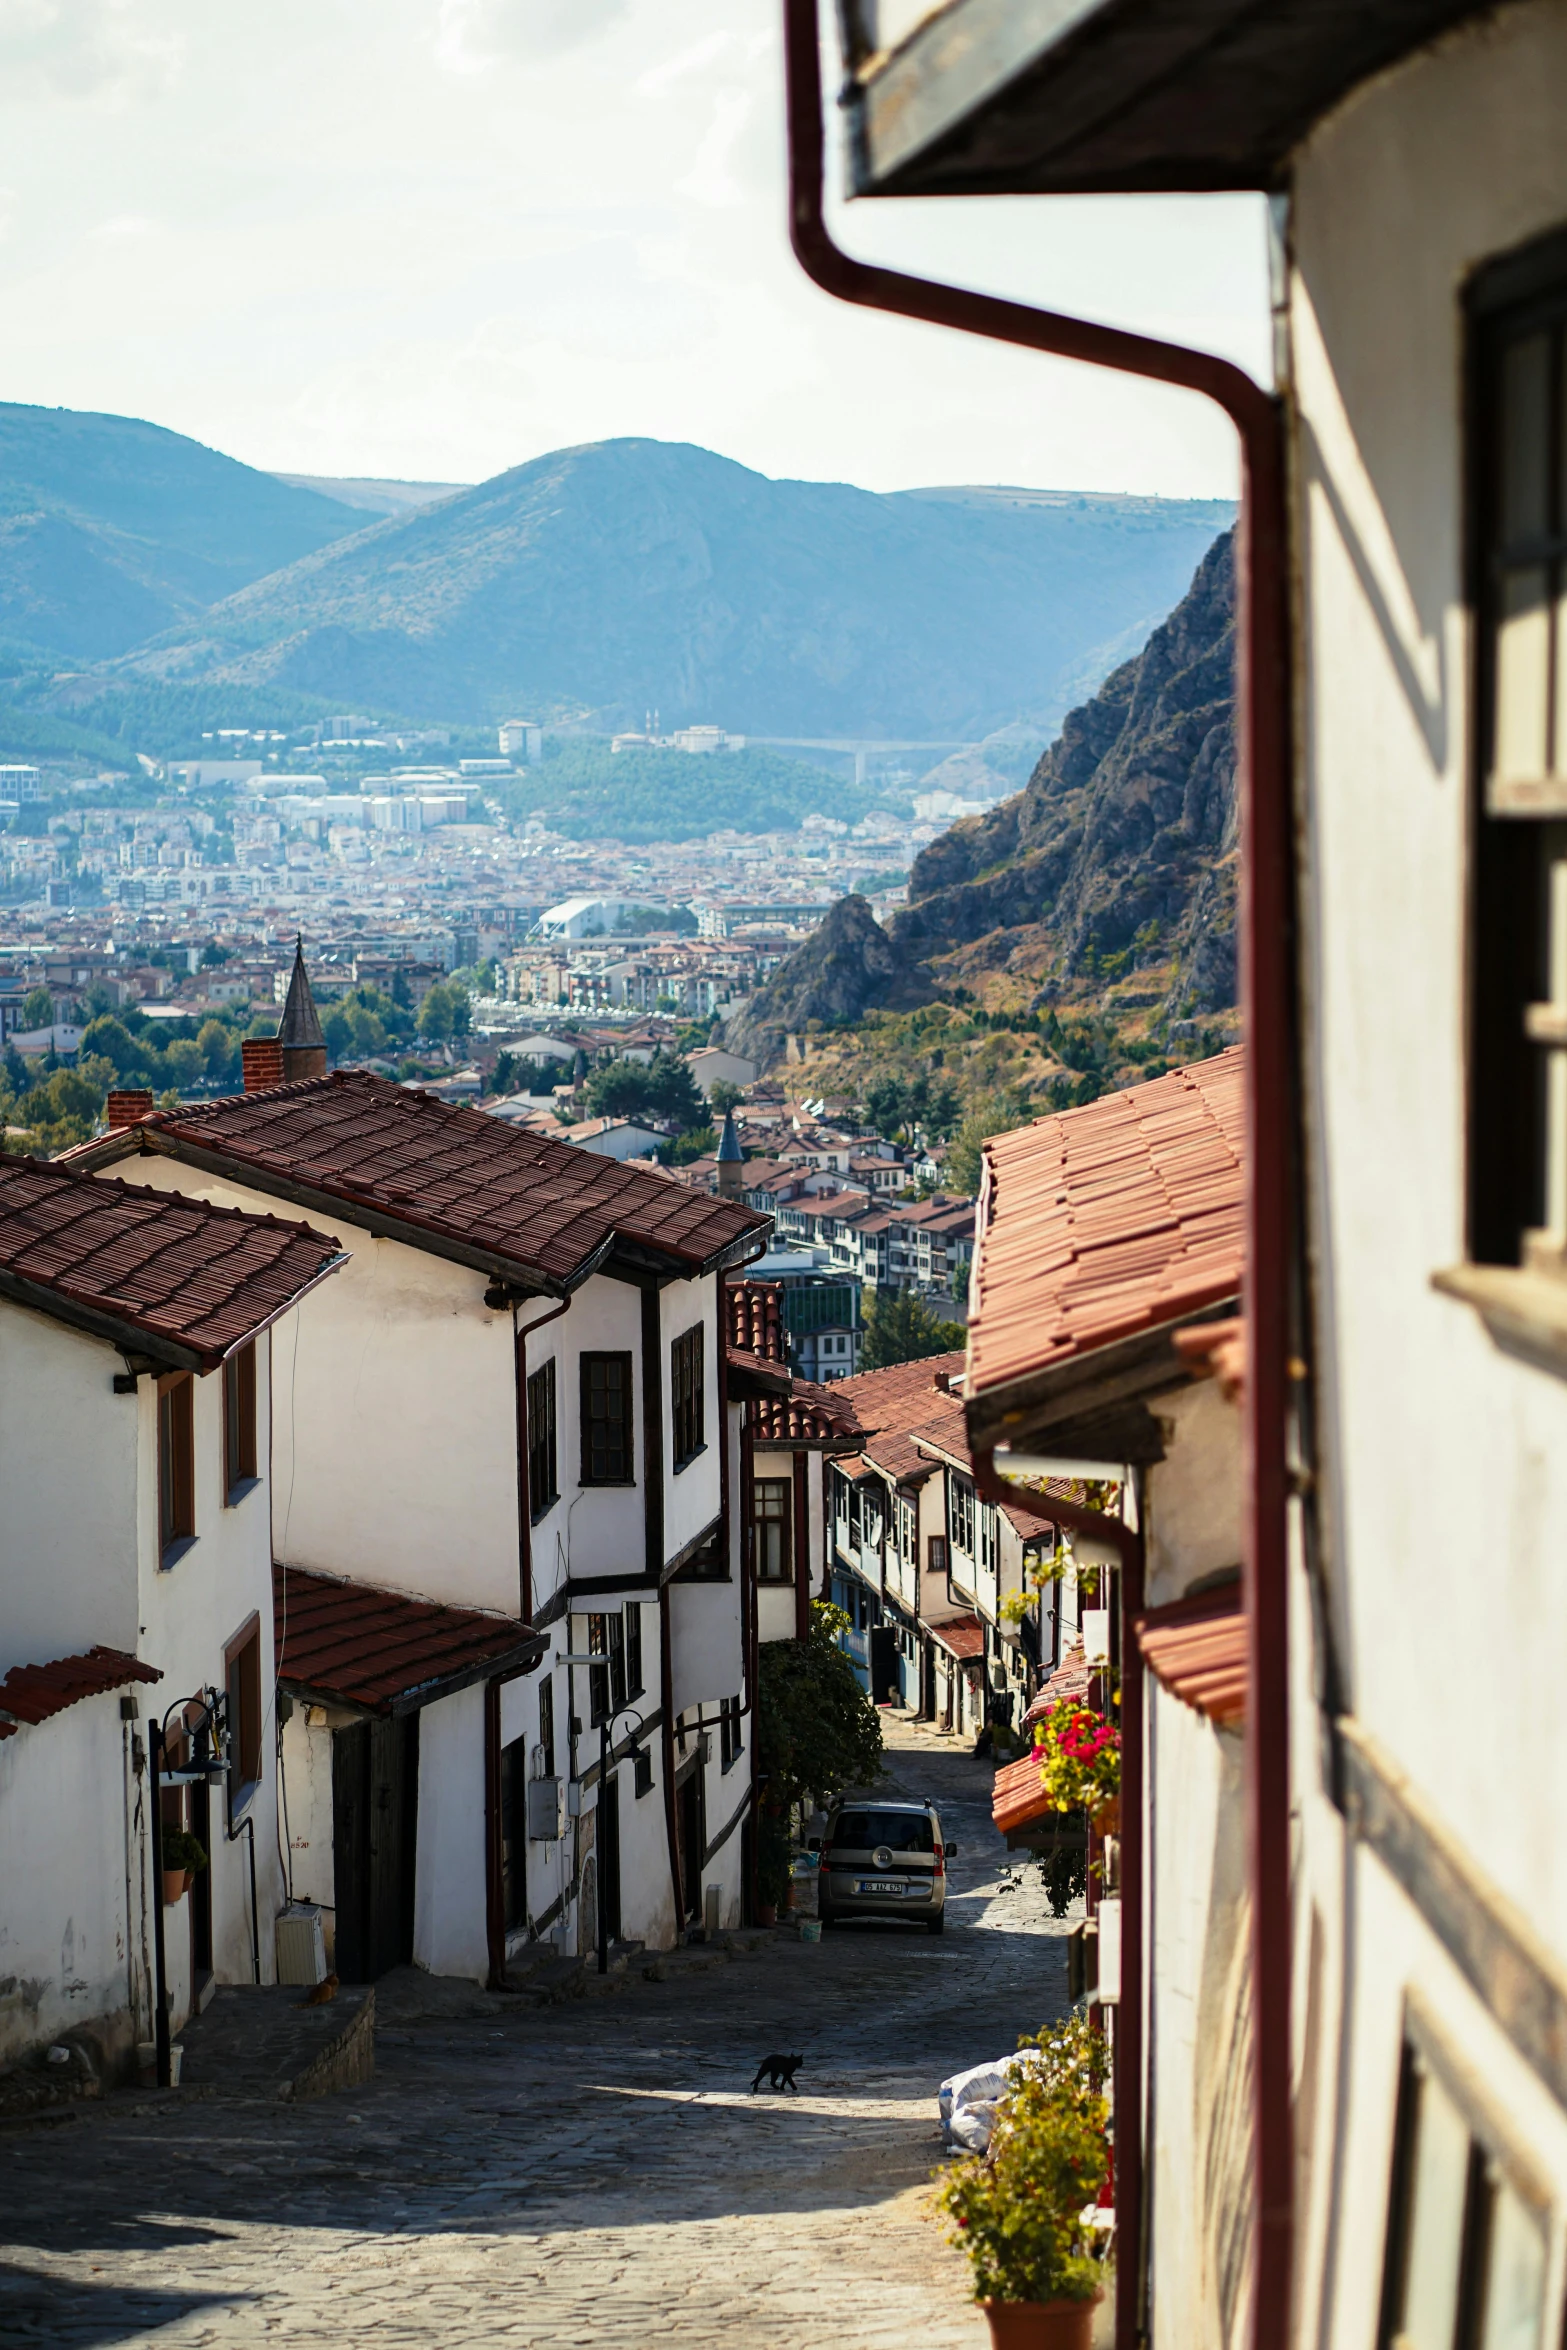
[514, 1834]
[730, 1735]
[547, 1727]
[242, 1672]
[989, 1538]
[606, 1682]
[543, 1485]
[176, 1464]
[774, 1530]
[606, 1419]
[688, 1403]
[634, 1681]
[643, 1776]
[960, 1515]
[1464, 2266]
[239, 1422]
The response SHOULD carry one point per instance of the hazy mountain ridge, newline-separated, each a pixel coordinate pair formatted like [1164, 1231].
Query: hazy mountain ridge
[630, 574]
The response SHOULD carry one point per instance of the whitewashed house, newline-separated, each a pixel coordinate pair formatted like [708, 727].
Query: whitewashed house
[136, 1335]
[1404, 976]
[787, 1430]
[506, 1414]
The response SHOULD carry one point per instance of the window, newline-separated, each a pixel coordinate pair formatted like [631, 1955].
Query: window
[960, 1515]
[643, 1772]
[687, 1401]
[774, 1530]
[514, 1834]
[176, 1465]
[730, 1736]
[908, 1532]
[1464, 2267]
[634, 1681]
[547, 1728]
[870, 1517]
[989, 1538]
[543, 1484]
[937, 1546]
[242, 1675]
[606, 1420]
[606, 1682]
[1518, 1026]
[239, 1422]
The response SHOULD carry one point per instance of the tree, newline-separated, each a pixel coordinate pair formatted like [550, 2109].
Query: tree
[816, 1730]
[900, 1328]
[436, 1014]
[112, 1041]
[213, 957]
[989, 1115]
[722, 1096]
[219, 1050]
[185, 1063]
[662, 1088]
[37, 1009]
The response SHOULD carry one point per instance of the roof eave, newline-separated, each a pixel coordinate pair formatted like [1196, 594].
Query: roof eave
[1100, 1381]
[521, 1657]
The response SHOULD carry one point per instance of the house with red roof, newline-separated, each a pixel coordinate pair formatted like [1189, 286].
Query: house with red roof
[137, 1658]
[510, 1405]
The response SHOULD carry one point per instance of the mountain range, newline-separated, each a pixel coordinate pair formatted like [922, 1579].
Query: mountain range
[1108, 882]
[592, 585]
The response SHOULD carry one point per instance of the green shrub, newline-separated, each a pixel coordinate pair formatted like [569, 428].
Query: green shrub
[1018, 2210]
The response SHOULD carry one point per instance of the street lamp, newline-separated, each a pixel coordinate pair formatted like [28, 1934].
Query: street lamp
[209, 1763]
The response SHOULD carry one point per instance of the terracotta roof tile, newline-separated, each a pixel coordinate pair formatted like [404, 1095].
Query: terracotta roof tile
[1196, 1648]
[383, 1649]
[900, 1397]
[454, 1173]
[33, 1693]
[158, 1265]
[1071, 1678]
[963, 1638]
[1109, 1219]
[755, 1310]
[1018, 1796]
[808, 1414]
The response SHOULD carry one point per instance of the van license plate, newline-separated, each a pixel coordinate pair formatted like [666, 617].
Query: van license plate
[880, 1885]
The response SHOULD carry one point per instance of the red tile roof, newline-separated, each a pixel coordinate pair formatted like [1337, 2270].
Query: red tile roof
[32, 1693]
[964, 1637]
[1100, 1222]
[1071, 1678]
[149, 1269]
[900, 1397]
[1196, 1648]
[808, 1414]
[382, 1649]
[1018, 1796]
[397, 1158]
[755, 1326]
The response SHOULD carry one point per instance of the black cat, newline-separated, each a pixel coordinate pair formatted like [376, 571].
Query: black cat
[780, 2072]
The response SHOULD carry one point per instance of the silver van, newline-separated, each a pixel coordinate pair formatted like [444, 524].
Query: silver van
[885, 1860]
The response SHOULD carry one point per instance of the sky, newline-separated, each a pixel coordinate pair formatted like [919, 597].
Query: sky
[430, 239]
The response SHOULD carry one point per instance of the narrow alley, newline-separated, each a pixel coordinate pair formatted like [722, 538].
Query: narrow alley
[590, 2172]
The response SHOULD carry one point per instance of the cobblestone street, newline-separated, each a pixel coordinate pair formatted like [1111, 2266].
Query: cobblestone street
[593, 2172]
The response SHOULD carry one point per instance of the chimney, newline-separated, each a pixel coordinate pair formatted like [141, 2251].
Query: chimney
[127, 1108]
[262, 1060]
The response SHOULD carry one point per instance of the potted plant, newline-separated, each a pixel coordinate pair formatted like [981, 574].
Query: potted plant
[1023, 2211]
[1079, 1754]
[182, 1857]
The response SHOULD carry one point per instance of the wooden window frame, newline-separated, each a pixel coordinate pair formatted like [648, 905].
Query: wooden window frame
[636, 1684]
[242, 1682]
[543, 1450]
[961, 1519]
[767, 1522]
[688, 1396]
[622, 1447]
[176, 1465]
[607, 1693]
[241, 1455]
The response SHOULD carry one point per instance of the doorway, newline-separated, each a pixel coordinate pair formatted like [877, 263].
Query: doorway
[688, 1821]
[609, 1854]
[884, 1664]
[375, 1811]
[200, 1797]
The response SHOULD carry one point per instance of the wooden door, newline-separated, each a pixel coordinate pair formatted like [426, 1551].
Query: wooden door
[688, 1817]
[375, 1802]
[883, 1663]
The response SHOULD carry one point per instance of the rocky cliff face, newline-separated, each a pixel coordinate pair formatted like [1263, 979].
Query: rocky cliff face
[846, 965]
[1123, 840]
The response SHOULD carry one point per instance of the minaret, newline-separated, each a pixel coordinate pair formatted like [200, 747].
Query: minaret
[731, 1161]
[299, 1034]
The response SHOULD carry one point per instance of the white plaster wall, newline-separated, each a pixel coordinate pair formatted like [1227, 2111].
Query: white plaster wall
[1443, 1457]
[1194, 1493]
[68, 1915]
[775, 1611]
[727, 1797]
[691, 1498]
[593, 1529]
[450, 1921]
[705, 1643]
[647, 1901]
[307, 1771]
[68, 1467]
[395, 1449]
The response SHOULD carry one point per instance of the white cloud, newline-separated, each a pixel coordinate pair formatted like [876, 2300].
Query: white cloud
[87, 48]
[473, 33]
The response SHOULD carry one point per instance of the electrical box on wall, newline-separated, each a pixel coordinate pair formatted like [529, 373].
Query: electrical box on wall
[546, 1810]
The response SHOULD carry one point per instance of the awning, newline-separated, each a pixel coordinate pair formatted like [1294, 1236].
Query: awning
[1070, 1679]
[1196, 1649]
[1018, 1797]
[34, 1693]
[963, 1638]
[387, 1652]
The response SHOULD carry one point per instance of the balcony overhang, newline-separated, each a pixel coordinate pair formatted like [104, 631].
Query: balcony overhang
[1078, 97]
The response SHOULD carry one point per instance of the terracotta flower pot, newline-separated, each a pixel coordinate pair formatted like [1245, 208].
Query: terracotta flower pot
[1107, 1819]
[766, 1913]
[174, 1883]
[1041, 2325]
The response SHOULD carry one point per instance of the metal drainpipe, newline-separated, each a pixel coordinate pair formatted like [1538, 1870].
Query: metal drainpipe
[1265, 958]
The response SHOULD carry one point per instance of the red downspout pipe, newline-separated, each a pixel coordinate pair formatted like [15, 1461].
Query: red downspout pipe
[1265, 955]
